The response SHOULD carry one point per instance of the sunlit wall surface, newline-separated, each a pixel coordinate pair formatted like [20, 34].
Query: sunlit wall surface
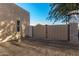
[9, 14]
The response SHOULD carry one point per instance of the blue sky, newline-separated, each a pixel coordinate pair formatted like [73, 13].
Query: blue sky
[38, 12]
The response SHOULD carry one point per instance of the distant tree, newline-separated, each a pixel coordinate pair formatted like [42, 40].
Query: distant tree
[38, 25]
[60, 11]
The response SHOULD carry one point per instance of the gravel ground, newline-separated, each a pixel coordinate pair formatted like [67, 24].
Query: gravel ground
[38, 48]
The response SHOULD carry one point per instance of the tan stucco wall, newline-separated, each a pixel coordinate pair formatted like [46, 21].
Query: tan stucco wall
[74, 32]
[39, 32]
[53, 32]
[9, 14]
[58, 32]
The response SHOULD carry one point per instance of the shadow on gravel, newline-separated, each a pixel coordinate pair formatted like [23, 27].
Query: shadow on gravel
[55, 43]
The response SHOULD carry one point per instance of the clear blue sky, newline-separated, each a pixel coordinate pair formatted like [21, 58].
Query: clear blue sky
[38, 12]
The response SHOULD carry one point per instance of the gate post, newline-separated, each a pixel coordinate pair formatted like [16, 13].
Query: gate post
[46, 32]
[73, 33]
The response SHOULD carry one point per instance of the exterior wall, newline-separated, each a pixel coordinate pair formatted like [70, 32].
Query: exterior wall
[30, 31]
[39, 32]
[50, 32]
[58, 32]
[73, 32]
[9, 14]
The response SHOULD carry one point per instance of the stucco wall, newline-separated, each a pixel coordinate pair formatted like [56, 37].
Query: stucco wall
[74, 32]
[57, 32]
[39, 32]
[9, 14]
[50, 32]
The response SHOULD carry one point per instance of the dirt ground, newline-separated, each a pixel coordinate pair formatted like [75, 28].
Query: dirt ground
[38, 48]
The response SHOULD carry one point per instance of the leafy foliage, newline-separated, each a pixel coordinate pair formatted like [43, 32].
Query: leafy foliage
[59, 11]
